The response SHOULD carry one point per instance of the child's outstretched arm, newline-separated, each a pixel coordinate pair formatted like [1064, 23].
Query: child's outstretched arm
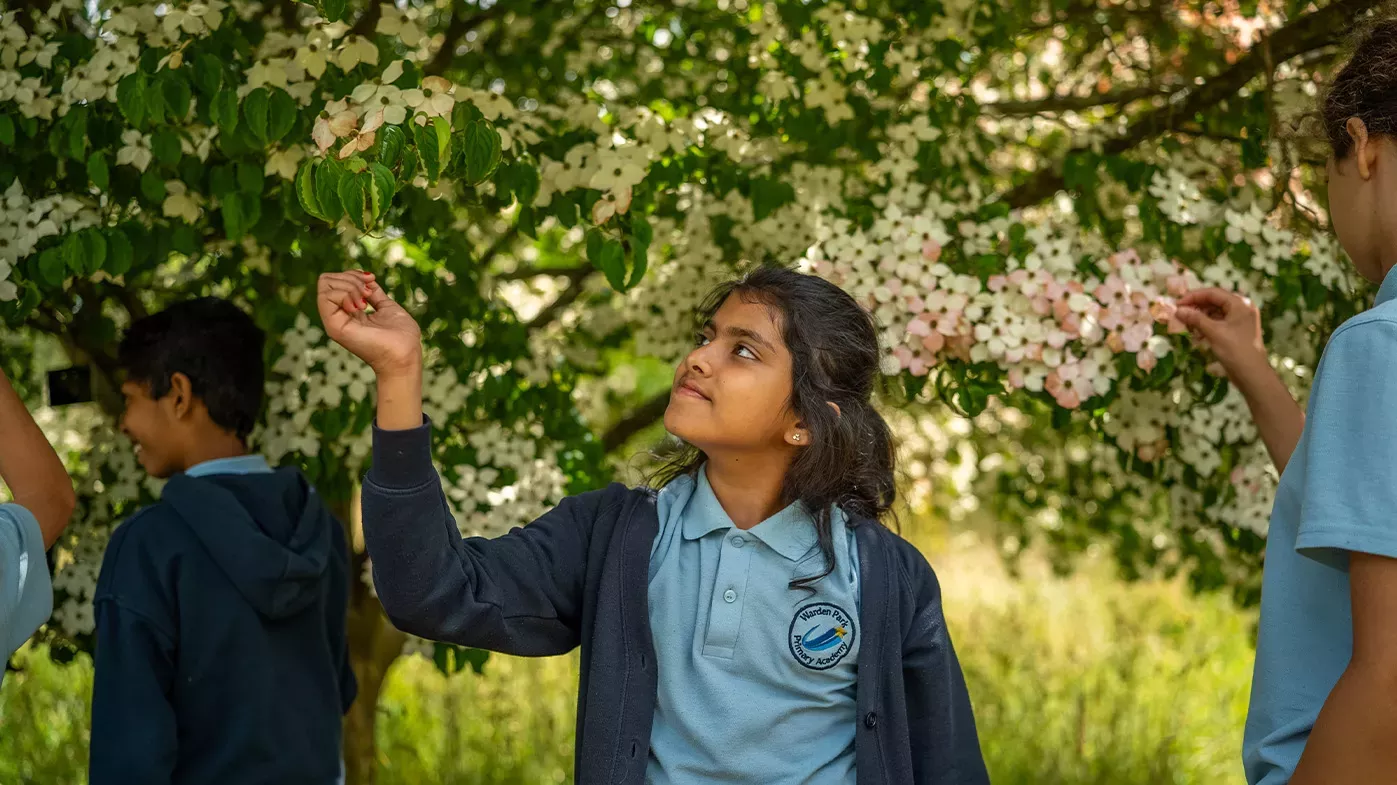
[32, 470]
[518, 594]
[1231, 326]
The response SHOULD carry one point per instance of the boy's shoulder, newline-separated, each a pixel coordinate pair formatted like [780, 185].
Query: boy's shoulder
[146, 536]
[1382, 315]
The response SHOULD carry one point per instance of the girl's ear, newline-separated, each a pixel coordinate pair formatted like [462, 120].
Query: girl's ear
[799, 436]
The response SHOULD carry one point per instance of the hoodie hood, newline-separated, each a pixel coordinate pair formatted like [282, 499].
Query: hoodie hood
[269, 533]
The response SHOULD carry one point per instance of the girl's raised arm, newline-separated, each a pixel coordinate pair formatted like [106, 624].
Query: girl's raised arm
[518, 594]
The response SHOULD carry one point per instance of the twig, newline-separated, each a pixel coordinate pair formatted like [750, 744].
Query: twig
[457, 29]
[1301, 35]
[639, 419]
[525, 271]
[368, 21]
[577, 283]
[1073, 103]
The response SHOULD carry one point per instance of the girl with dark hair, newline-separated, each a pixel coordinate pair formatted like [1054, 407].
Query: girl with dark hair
[1324, 695]
[748, 622]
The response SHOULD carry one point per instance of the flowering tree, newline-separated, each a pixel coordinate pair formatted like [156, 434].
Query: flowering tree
[1018, 192]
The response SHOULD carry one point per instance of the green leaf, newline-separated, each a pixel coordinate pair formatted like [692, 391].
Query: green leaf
[250, 179]
[154, 99]
[333, 10]
[234, 217]
[52, 268]
[130, 97]
[97, 170]
[482, 151]
[427, 150]
[327, 184]
[177, 94]
[525, 182]
[355, 164]
[222, 180]
[527, 223]
[354, 198]
[77, 134]
[451, 659]
[464, 114]
[255, 113]
[73, 252]
[7, 130]
[381, 189]
[595, 241]
[152, 187]
[391, 141]
[613, 263]
[305, 189]
[641, 235]
[119, 252]
[443, 131]
[281, 110]
[165, 145]
[95, 250]
[768, 194]
[224, 111]
[208, 73]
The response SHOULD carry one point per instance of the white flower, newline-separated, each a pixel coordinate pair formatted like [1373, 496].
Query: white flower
[433, 99]
[315, 54]
[384, 101]
[355, 50]
[179, 203]
[615, 172]
[395, 24]
[135, 149]
[283, 163]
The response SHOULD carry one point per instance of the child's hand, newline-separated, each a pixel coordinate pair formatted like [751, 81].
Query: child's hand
[1231, 325]
[387, 339]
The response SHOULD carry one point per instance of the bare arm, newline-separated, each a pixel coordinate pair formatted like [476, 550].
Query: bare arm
[387, 339]
[1355, 737]
[1232, 327]
[31, 469]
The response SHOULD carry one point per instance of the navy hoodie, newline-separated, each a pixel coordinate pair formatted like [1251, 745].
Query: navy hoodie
[221, 654]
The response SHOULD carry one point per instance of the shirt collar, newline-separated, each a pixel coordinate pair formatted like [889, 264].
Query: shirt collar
[1388, 290]
[240, 464]
[790, 532]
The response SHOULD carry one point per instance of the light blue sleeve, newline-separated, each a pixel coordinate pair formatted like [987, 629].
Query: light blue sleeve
[1349, 500]
[26, 592]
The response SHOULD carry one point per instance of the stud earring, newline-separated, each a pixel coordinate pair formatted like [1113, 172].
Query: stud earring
[795, 437]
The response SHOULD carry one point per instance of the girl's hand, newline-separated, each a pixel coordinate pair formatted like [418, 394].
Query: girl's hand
[1231, 325]
[387, 339]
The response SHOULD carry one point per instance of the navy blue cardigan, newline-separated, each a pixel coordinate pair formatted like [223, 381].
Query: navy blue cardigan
[578, 576]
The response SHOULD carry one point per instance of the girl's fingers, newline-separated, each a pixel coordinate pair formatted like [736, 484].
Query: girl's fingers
[379, 299]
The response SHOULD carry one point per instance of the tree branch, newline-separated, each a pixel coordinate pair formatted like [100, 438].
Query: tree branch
[525, 271]
[577, 283]
[1072, 103]
[368, 21]
[457, 29]
[639, 419]
[1301, 35]
[498, 245]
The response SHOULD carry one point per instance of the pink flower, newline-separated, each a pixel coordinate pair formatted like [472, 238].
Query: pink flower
[1135, 336]
[1041, 306]
[918, 367]
[915, 304]
[1016, 378]
[1238, 475]
[1112, 292]
[1122, 258]
[1146, 360]
[1018, 277]
[1148, 452]
[931, 250]
[934, 342]
[997, 283]
[1177, 285]
[903, 355]
[1033, 351]
[1054, 290]
[919, 328]
[1112, 319]
[1114, 342]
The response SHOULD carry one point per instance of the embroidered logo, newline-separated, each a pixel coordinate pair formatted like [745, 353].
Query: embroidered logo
[821, 635]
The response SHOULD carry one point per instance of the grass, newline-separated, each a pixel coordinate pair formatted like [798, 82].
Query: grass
[1083, 680]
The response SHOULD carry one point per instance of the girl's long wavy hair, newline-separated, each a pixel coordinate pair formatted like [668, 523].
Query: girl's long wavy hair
[835, 358]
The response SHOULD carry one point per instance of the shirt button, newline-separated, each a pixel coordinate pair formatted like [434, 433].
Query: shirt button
[730, 595]
[738, 542]
[870, 720]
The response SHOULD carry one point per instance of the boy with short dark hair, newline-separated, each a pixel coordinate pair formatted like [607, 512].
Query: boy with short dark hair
[221, 653]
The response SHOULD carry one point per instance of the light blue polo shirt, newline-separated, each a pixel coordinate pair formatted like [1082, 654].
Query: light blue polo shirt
[756, 680]
[238, 464]
[1338, 494]
[26, 590]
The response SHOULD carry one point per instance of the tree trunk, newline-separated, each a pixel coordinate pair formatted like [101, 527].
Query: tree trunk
[373, 646]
